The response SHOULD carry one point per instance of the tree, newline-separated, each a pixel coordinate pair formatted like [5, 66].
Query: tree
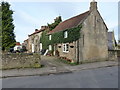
[56, 22]
[8, 36]
[44, 38]
[0, 27]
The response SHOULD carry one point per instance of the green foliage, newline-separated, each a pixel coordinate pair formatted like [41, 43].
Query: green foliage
[73, 35]
[44, 40]
[7, 27]
[58, 37]
[67, 62]
[53, 25]
[0, 27]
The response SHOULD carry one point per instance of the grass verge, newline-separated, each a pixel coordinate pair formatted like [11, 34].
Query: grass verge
[25, 67]
[81, 62]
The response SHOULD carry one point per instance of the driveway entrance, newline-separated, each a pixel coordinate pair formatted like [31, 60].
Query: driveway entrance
[50, 61]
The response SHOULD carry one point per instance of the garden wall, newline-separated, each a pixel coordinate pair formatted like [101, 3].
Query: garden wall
[20, 60]
[112, 55]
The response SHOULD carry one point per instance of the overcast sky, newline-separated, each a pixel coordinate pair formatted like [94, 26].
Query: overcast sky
[29, 16]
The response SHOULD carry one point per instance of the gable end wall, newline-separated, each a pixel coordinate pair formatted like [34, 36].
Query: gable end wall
[93, 41]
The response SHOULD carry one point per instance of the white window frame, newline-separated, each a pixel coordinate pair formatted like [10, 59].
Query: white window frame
[33, 50]
[66, 34]
[65, 48]
[50, 47]
[50, 37]
[40, 46]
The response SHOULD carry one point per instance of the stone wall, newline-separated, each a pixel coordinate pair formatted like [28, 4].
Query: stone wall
[72, 51]
[11, 61]
[93, 41]
[112, 55]
[118, 53]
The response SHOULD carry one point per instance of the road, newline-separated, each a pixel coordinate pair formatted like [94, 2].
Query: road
[106, 77]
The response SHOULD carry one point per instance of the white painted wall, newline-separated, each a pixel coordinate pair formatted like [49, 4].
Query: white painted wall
[17, 47]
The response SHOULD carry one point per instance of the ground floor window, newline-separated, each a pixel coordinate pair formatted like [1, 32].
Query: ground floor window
[40, 46]
[33, 48]
[50, 47]
[65, 47]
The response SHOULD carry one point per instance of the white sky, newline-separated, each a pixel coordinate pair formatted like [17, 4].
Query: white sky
[29, 15]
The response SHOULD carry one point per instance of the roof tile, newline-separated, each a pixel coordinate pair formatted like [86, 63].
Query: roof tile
[69, 23]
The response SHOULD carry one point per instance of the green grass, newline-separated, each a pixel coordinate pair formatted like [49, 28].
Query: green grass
[67, 62]
[81, 62]
[23, 67]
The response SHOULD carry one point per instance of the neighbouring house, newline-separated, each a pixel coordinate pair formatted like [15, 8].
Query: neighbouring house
[18, 46]
[26, 44]
[34, 44]
[112, 46]
[118, 44]
[82, 37]
[118, 52]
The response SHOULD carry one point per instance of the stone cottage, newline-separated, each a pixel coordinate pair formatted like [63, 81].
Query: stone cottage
[112, 46]
[118, 44]
[25, 43]
[34, 44]
[92, 43]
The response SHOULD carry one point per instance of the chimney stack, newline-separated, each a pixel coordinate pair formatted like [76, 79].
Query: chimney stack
[93, 5]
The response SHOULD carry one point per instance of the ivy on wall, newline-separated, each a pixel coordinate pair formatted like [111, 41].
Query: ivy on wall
[44, 40]
[58, 37]
[56, 22]
[73, 35]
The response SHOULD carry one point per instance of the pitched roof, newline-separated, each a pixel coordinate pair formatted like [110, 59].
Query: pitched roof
[69, 23]
[34, 33]
[37, 31]
[18, 43]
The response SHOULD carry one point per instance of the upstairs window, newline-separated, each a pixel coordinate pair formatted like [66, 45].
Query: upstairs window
[50, 36]
[65, 34]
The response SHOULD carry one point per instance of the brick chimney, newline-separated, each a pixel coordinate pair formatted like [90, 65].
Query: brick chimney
[93, 5]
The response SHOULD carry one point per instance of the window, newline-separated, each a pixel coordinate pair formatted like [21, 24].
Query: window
[40, 46]
[65, 47]
[59, 46]
[50, 36]
[72, 46]
[33, 47]
[65, 34]
[50, 47]
[83, 40]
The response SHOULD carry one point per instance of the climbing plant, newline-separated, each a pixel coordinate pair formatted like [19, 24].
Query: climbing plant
[73, 35]
[44, 40]
[56, 22]
[58, 37]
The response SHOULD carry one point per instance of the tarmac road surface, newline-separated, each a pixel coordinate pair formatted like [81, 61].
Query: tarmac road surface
[106, 77]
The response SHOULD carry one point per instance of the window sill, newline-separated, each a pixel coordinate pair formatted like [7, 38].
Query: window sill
[65, 51]
[65, 37]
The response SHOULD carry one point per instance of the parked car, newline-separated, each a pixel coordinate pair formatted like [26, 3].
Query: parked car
[11, 50]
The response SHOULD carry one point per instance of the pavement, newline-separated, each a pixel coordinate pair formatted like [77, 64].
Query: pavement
[54, 69]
